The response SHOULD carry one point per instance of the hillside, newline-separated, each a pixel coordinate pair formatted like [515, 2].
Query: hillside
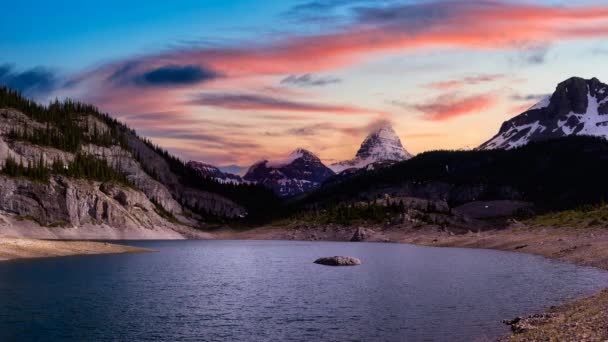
[553, 174]
[69, 165]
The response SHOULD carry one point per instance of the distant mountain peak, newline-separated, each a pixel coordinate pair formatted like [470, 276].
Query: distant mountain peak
[298, 172]
[577, 107]
[298, 153]
[213, 172]
[380, 146]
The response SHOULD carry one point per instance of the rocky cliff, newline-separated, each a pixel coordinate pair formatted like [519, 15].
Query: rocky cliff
[154, 203]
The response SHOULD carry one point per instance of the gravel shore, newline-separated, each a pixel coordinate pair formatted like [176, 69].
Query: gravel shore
[12, 248]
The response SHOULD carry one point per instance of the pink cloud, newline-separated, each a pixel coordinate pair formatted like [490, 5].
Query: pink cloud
[450, 106]
[255, 102]
[466, 81]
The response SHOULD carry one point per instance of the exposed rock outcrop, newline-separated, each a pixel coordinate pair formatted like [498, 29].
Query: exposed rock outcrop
[338, 261]
[361, 234]
[158, 200]
[72, 202]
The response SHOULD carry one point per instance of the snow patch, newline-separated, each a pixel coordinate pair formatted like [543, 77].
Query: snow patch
[544, 103]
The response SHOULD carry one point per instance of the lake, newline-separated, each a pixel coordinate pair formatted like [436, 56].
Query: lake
[271, 290]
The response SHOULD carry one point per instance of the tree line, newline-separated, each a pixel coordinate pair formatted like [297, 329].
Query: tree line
[84, 166]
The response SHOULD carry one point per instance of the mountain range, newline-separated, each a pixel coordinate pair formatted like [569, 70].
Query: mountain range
[577, 107]
[69, 165]
[302, 171]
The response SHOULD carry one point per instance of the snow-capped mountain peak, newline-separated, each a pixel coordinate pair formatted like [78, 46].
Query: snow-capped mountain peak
[300, 171]
[577, 107]
[381, 146]
[296, 154]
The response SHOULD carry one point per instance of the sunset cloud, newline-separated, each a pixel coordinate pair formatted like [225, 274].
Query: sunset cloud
[309, 80]
[483, 25]
[466, 81]
[208, 98]
[267, 103]
[450, 106]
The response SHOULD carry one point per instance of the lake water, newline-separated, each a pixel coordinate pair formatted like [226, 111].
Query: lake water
[271, 290]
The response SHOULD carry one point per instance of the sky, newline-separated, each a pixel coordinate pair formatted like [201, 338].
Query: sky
[231, 82]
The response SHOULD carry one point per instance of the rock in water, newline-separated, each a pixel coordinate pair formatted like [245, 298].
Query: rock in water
[338, 261]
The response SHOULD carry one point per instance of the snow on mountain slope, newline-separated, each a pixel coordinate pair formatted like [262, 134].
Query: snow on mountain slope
[381, 146]
[299, 172]
[210, 171]
[577, 107]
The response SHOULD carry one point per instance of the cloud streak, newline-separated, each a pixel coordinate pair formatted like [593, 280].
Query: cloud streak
[163, 76]
[466, 81]
[449, 106]
[309, 80]
[237, 101]
[188, 77]
[483, 25]
[32, 82]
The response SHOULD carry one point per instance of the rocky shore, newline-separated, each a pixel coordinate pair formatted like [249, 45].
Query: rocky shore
[12, 248]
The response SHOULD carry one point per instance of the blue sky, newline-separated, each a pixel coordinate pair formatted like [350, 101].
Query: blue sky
[76, 34]
[231, 82]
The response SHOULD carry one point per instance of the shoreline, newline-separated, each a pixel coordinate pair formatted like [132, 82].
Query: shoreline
[583, 319]
[584, 246]
[579, 319]
[16, 248]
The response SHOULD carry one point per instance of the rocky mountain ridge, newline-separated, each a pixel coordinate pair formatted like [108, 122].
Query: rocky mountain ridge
[381, 147]
[577, 107]
[155, 203]
[299, 172]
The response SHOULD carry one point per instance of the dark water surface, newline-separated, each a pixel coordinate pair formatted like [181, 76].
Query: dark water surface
[271, 290]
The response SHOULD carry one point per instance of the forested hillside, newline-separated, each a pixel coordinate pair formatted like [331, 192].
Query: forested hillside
[554, 174]
[100, 148]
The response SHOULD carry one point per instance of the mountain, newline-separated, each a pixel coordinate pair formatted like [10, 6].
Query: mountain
[82, 172]
[212, 172]
[577, 107]
[301, 171]
[381, 147]
[553, 174]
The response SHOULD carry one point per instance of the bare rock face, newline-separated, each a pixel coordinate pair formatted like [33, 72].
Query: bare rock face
[157, 191]
[73, 203]
[338, 261]
[124, 162]
[361, 234]
[206, 200]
